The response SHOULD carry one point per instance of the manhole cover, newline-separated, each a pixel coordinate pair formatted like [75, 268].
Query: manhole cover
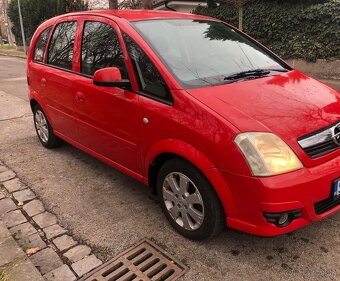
[143, 262]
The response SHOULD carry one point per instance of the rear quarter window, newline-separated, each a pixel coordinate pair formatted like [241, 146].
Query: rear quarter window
[40, 45]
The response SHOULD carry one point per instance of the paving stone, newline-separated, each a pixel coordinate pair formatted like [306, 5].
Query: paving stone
[6, 205]
[54, 230]
[11, 250]
[7, 175]
[62, 273]
[31, 241]
[23, 270]
[77, 253]
[45, 219]
[2, 195]
[13, 185]
[34, 207]
[64, 242]
[46, 260]
[22, 230]
[86, 265]
[14, 218]
[4, 233]
[24, 195]
[3, 168]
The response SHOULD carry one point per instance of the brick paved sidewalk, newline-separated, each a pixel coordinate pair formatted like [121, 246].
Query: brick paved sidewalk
[44, 243]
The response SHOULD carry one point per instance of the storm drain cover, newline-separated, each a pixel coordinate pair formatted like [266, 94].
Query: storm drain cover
[143, 262]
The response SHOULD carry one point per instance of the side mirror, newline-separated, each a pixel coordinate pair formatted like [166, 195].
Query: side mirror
[110, 77]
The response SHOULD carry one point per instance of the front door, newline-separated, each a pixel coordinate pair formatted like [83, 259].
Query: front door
[108, 117]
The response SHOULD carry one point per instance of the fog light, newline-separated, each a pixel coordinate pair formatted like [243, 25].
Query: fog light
[282, 219]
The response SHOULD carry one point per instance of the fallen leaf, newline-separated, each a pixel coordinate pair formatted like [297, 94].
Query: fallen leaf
[20, 204]
[31, 251]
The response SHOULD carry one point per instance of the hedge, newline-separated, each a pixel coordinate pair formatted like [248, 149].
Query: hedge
[308, 30]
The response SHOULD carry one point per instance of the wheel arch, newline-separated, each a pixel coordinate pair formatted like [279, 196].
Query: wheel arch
[36, 99]
[165, 150]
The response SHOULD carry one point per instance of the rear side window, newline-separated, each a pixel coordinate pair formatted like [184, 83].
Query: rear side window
[150, 80]
[100, 49]
[41, 44]
[60, 50]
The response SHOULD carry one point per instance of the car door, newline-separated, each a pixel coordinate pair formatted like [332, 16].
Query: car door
[108, 117]
[57, 78]
[156, 102]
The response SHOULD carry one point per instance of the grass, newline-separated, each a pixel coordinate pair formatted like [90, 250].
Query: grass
[7, 47]
[4, 276]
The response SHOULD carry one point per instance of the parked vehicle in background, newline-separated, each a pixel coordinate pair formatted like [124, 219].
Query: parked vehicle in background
[220, 128]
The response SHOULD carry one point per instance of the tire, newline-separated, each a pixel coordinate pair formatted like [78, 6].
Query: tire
[192, 208]
[44, 130]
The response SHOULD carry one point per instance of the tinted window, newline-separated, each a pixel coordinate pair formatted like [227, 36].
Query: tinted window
[41, 44]
[60, 50]
[202, 52]
[149, 79]
[101, 49]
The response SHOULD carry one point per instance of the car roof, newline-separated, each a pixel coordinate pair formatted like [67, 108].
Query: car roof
[135, 15]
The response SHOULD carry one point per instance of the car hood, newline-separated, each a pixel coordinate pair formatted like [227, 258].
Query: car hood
[290, 105]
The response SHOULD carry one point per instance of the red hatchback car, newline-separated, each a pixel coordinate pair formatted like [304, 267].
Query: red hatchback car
[219, 127]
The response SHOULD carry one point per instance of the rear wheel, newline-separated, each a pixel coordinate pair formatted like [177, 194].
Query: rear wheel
[44, 129]
[189, 201]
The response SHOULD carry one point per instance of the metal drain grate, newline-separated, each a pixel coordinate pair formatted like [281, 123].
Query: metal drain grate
[144, 262]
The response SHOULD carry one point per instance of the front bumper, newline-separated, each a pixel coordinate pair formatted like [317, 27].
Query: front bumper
[245, 198]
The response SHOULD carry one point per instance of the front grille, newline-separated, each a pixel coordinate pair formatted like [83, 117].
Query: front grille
[145, 262]
[321, 149]
[326, 205]
[321, 142]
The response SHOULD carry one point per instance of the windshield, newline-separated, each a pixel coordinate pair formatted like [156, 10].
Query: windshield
[202, 53]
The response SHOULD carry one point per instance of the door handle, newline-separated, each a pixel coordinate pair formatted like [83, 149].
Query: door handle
[80, 97]
[43, 82]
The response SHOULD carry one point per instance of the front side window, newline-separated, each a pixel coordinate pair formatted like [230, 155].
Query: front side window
[204, 52]
[60, 50]
[41, 44]
[150, 80]
[100, 49]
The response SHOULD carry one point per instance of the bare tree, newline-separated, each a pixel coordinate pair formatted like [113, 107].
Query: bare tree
[147, 4]
[130, 4]
[113, 4]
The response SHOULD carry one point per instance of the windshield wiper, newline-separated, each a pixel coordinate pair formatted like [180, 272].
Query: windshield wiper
[252, 73]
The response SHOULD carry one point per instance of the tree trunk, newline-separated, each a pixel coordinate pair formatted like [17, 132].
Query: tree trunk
[113, 4]
[147, 4]
[240, 17]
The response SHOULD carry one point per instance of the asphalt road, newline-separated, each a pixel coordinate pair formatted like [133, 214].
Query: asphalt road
[111, 212]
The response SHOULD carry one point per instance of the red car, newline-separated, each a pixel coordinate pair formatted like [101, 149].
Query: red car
[219, 127]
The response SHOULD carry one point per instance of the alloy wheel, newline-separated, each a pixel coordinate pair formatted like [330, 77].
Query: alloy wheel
[183, 201]
[41, 126]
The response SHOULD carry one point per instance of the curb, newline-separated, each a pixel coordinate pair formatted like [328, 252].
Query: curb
[44, 243]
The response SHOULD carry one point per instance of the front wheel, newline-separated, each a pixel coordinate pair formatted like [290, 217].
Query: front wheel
[189, 201]
[44, 129]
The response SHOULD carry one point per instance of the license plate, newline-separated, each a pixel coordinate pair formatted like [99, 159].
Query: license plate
[336, 188]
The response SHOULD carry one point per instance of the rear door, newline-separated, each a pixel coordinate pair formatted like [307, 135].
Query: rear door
[57, 77]
[108, 117]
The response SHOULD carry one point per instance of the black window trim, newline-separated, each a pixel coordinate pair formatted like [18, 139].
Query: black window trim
[169, 101]
[49, 42]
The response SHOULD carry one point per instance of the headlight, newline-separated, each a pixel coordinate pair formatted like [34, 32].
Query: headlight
[267, 154]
